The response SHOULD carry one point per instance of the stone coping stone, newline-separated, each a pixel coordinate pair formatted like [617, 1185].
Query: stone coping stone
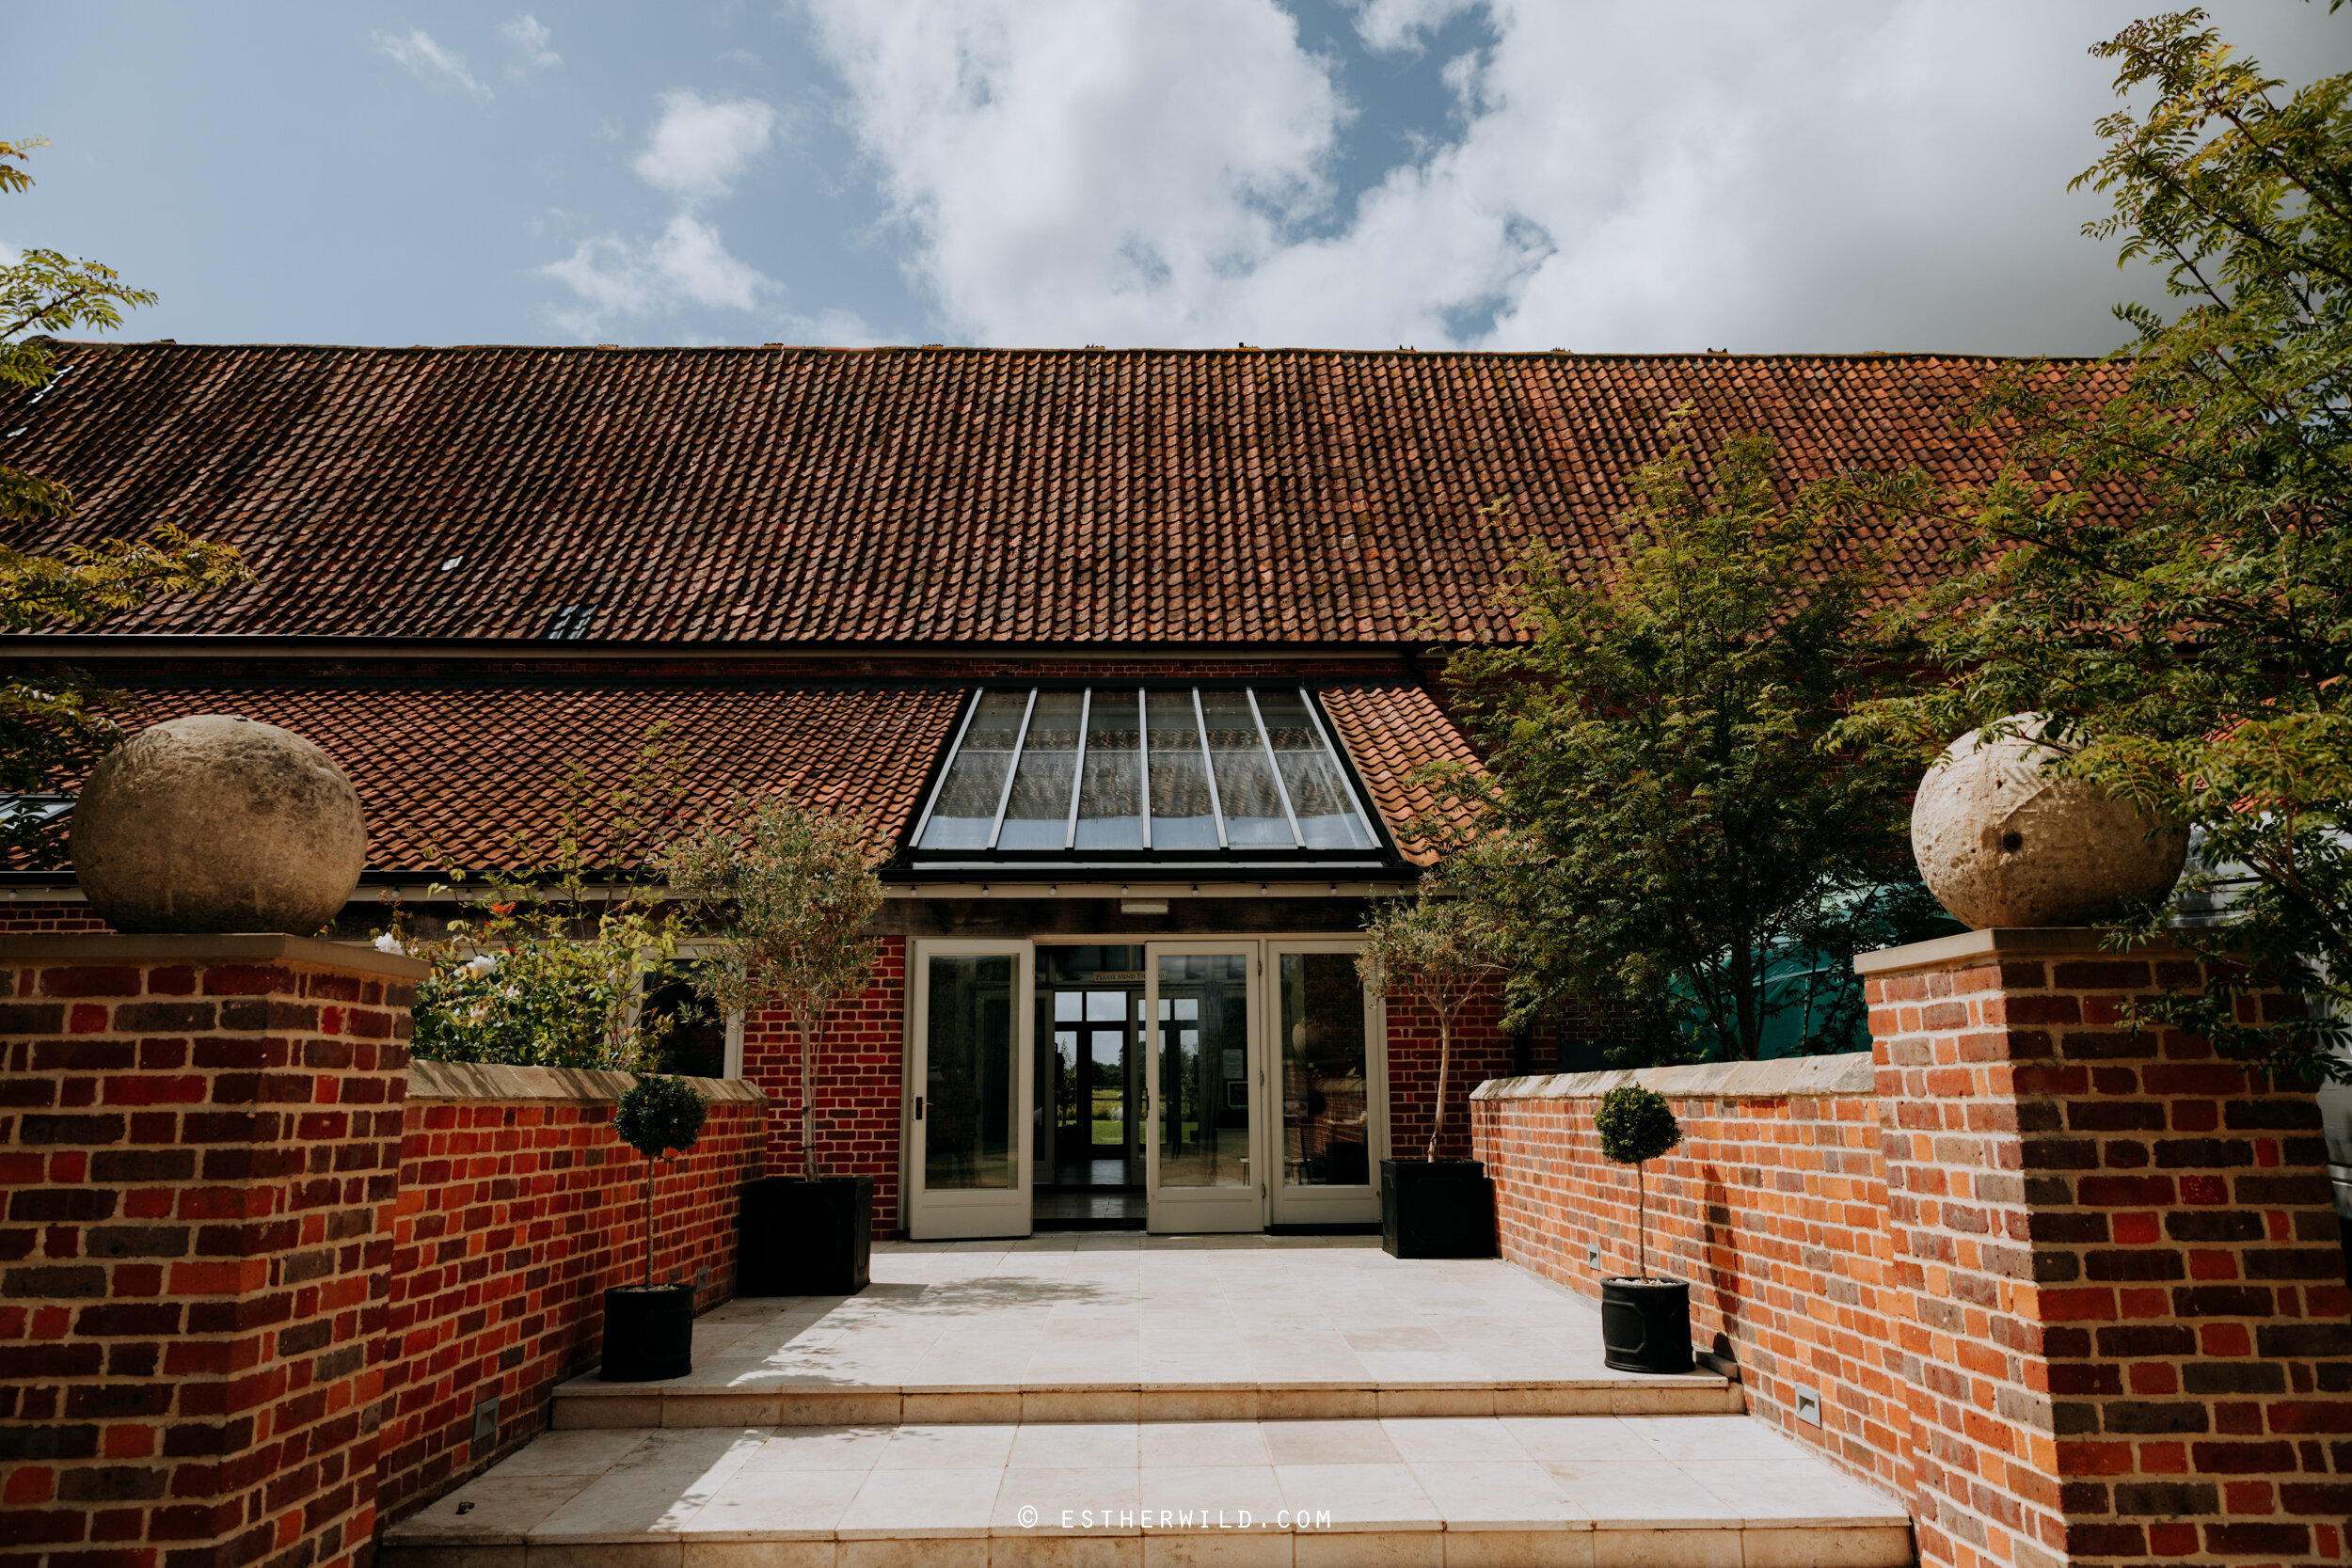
[117, 948]
[2005, 942]
[1846, 1074]
[489, 1081]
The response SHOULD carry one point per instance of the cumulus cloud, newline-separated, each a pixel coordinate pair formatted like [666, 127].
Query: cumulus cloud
[534, 41]
[697, 149]
[1625, 174]
[428, 61]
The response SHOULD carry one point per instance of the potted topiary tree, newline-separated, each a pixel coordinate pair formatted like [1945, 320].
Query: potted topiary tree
[1442, 951]
[649, 1328]
[788, 890]
[1645, 1322]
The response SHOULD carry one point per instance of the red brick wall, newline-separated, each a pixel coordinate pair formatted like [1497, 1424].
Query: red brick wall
[860, 1067]
[30, 917]
[199, 1146]
[2116, 1266]
[518, 1207]
[1481, 1051]
[1773, 1207]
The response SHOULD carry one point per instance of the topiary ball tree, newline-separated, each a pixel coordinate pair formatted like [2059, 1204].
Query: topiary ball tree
[1636, 1125]
[660, 1117]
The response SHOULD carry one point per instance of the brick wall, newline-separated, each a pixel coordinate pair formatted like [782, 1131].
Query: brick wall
[1773, 1207]
[518, 1207]
[1481, 1051]
[199, 1146]
[32, 916]
[2117, 1269]
[860, 1067]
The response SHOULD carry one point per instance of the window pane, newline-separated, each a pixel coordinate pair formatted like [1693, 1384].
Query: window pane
[1326, 820]
[1110, 807]
[970, 1076]
[1325, 1089]
[1244, 779]
[1037, 816]
[1204, 1071]
[1180, 786]
[966, 809]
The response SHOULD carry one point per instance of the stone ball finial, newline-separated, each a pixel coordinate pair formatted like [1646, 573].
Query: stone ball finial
[217, 823]
[2001, 841]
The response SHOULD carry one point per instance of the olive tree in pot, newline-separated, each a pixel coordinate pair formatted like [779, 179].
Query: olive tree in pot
[1645, 1322]
[787, 889]
[649, 1328]
[1442, 952]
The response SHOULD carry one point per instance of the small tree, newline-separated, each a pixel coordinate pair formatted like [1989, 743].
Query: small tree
[1636, 1126]
[1443, 951]
[788, 890]
[659, 1118]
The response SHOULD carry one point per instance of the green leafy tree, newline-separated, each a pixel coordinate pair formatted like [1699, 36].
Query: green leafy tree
[2166, 568]
[659, 1118]
[1441, 950]
[1657, 827]
[1636, 1126]
[52, 726]
[786, 889]
[548, 965]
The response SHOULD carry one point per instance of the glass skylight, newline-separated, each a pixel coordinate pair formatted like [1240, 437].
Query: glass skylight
[1133, 768]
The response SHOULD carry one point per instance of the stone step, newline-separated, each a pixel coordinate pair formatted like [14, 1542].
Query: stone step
[1426, 1492]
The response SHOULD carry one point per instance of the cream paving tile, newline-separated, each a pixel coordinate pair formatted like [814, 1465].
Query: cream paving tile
[1179, 1445]
[500, 1509]
[1075, 1445]
[1499, 1494]
[947, 1447]
[1649, 1494]
[1579, 1437]
[1363, 1442]
[656, 1489]
[1232, 1497]
[1357, 1497]
[922, 1502]
[783, 1504]
[1091, 1501]
[1791, 1492]
[572, 1453]
[850, 1448]
[1687, 1438]
[1449, 1439]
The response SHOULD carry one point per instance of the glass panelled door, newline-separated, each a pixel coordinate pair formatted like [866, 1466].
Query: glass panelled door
[1330, 1136]
[1204, 1162]
[970, 1128]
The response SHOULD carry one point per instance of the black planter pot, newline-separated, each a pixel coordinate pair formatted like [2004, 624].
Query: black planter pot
[804, 1238]
[1646, 1326]
[1437, 1208]
[648, 1333]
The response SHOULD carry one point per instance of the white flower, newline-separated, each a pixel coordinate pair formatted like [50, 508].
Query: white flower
[390, 943]
[480, 964]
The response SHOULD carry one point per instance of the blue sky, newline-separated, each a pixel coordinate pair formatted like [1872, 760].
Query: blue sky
[1655, 175]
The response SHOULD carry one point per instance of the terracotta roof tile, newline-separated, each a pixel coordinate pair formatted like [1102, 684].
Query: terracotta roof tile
[730, 495]
[1390, 732]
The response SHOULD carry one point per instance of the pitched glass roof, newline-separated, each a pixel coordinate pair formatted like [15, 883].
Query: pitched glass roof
[1057, 778]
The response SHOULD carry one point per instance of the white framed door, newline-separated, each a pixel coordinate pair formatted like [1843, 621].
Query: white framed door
[971, 1078]
[1327, 1094]
[1204, 1080]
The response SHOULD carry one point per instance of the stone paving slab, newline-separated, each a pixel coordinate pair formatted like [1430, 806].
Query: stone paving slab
[1126, 1327]
[1591, 1490]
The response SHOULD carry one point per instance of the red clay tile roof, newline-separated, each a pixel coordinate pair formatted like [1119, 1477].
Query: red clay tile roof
[447, 774]
[733, 495]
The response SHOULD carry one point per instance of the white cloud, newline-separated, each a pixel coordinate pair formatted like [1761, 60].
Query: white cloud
[697, 149]
[701, 146]
[1625, 174]
[531, 40]
[428, 61]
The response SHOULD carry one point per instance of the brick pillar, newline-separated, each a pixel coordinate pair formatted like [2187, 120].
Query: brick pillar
[200, 1142]
[2121, 1293]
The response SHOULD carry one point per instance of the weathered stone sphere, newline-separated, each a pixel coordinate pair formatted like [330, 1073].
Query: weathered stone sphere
[215, 823]
[2003, 843]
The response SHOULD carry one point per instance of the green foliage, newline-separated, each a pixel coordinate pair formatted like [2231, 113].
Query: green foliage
[50, 726]
[786, 889]
[2167, 571]
[1443, 951]
[661, 1117]
[1658, 824]
[545, 968]
[1635, 1124]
